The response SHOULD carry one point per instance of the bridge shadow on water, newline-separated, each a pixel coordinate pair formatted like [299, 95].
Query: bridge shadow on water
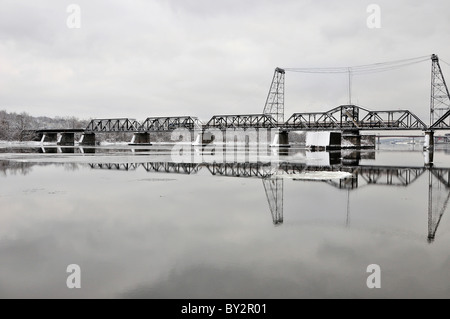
[339, 169]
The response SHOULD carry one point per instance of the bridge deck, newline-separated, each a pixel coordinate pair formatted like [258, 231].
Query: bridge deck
[69, 130]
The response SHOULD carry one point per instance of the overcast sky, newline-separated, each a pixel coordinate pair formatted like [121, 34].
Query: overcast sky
[202, 57]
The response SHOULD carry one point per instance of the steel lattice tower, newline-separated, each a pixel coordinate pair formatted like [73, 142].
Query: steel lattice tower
[440, 97]
[275, 99]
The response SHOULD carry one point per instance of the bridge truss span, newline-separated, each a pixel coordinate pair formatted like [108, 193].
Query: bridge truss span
[344, 117]
[167, 124]
[241, 121]
[353, 117]
[113, 125]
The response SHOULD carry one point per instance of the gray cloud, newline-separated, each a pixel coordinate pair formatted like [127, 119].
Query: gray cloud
[204, 57]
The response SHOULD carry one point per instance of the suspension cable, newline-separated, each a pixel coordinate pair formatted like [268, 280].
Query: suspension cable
[364, 69]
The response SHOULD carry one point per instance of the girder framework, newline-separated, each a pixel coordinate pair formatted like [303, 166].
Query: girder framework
[440, 97]
[167, 124]
[241, 121]
[113, 125]
[344, 117]
[352, 117]
[275, 99]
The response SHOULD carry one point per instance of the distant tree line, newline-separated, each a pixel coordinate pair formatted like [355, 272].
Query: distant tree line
[17, 127]
[13, 125]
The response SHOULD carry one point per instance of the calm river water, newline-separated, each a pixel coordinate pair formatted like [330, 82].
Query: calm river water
[141, 223]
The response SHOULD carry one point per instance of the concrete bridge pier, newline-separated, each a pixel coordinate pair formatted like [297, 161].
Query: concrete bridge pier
[429, 141]
[87, 139]
[321, 141]
[49, 137]
[66, 139]
[280, 139]
[428, 156]
[140, 139]
[428, 148]
[351, 139]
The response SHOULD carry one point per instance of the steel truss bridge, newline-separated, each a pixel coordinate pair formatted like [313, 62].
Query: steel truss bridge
[342, 118]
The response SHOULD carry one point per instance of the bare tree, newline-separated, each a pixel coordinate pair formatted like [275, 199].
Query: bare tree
[22, 123]
[4, 125]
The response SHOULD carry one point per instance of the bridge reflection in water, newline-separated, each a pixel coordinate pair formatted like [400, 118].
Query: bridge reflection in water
[273, 175]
